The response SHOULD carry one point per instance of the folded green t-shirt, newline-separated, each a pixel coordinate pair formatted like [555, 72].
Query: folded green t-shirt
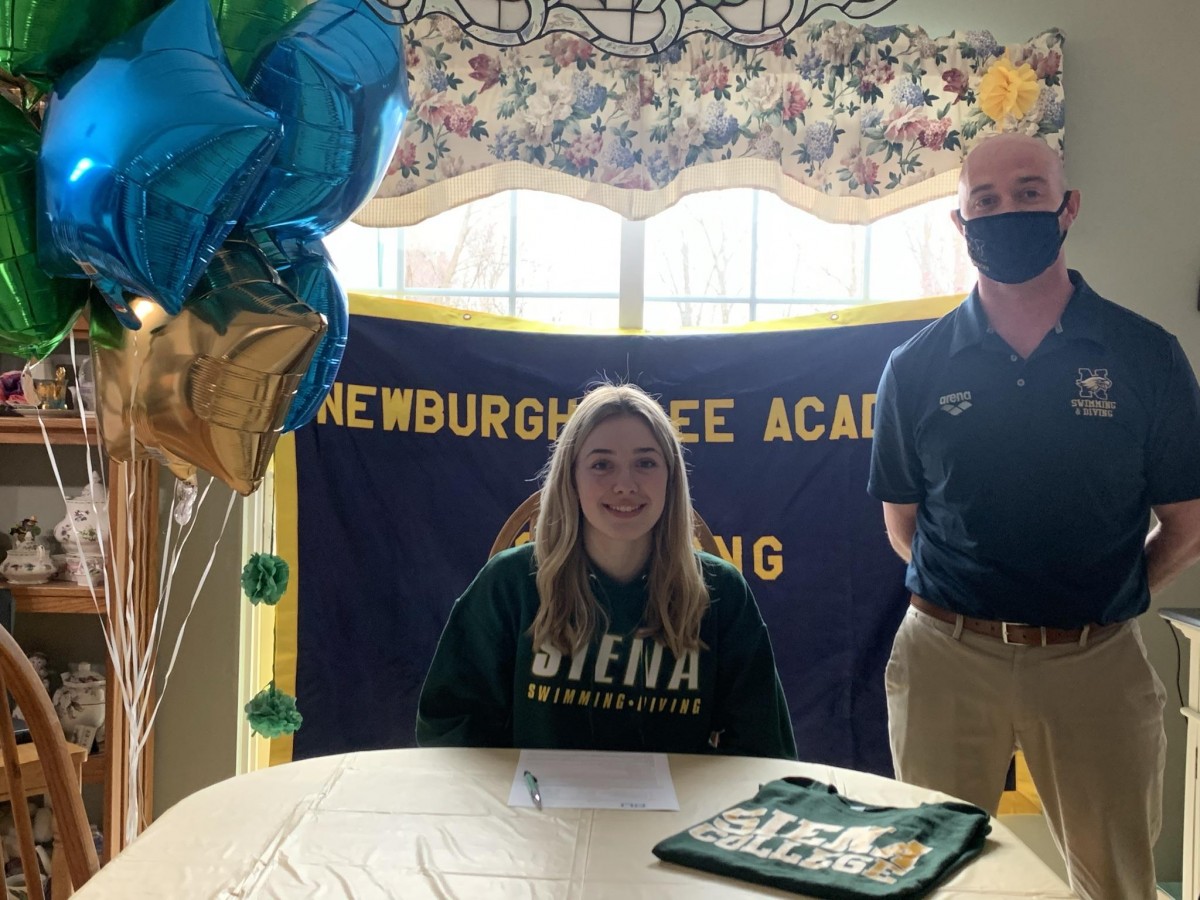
[802, 835]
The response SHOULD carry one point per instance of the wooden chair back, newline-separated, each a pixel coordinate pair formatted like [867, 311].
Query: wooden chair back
[46, 767]
[524, 518]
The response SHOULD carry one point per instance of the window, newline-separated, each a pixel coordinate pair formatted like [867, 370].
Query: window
[717, 258]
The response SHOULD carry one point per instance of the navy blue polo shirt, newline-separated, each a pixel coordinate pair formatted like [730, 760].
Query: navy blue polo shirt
[1034, 477]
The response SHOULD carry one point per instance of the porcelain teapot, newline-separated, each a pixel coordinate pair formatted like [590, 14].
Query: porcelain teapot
[80, 705]
[28, 562]
[85, 525]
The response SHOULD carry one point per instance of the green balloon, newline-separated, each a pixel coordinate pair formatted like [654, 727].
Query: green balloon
[247, 25]
[48, 37]
[104, 328]
[36, 311]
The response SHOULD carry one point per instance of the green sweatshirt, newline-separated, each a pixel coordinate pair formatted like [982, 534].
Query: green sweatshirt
[487, 687]
[803, 836]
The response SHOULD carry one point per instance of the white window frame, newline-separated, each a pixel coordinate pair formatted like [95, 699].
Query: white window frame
[631, 295]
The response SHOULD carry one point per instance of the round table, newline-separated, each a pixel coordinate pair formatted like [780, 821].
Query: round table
[436, 823]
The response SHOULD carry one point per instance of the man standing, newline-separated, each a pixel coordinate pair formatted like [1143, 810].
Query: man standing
[1021, 442]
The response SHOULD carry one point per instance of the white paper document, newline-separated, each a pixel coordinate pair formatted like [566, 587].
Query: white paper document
[593, 779]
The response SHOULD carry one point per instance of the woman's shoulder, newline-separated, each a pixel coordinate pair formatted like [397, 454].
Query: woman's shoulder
[505, 585]
[512, 563]
[720, 575]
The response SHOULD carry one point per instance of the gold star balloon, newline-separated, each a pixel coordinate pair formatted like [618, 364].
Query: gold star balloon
[210, 387]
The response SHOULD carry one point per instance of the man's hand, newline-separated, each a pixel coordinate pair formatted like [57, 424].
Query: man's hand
[1172, 545]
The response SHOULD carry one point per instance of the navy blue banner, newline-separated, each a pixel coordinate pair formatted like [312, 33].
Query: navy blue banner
[434, 433]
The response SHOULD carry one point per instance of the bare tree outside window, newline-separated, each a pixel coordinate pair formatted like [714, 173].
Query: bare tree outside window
[715, 258]
[919, 253]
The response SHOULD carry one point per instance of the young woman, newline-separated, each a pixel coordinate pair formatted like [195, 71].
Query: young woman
[609, 632]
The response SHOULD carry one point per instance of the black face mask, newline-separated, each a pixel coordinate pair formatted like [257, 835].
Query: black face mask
[1014, 247]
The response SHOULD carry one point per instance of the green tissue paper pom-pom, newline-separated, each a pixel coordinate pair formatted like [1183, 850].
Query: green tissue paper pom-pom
[273, 713]
[265, 578]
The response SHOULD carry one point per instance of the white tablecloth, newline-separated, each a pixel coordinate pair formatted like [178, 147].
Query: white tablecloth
[435, 823]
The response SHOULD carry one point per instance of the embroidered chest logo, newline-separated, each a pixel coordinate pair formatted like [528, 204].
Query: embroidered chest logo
[1094, 385]
[955, 404]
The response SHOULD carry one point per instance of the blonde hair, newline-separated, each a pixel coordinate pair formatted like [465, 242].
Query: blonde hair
[677, 598]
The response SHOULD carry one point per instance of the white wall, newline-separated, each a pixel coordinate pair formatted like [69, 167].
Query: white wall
[1133, 133]
[195, 740]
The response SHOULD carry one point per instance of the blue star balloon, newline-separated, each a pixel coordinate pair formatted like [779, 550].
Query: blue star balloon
[308, 271]
[336, 77]
[150, 152]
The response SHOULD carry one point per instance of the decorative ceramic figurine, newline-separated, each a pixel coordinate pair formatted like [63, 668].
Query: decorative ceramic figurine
[41, 665]
[85, 386]
[85, 570]
[80, 705]
[85, 525]
[28, 562]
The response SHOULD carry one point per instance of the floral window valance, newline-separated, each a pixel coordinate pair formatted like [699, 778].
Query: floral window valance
[848, 122]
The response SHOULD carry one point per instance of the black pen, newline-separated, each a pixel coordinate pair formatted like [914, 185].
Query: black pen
[534, 793]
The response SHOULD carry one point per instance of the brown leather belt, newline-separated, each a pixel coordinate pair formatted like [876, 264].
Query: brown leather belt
[1010, 632]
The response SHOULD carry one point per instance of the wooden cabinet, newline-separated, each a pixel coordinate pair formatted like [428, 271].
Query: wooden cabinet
[134, 529]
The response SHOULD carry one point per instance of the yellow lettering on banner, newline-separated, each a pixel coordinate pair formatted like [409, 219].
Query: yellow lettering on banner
[332, 405]
[768, 565]
[680, 421]
[431, 415]
[356, 405]
[733, 556]
[397, 408]
[843, 420]
[802, 429]
[778, 427]
[495, 413]
[807, 424]
[555, 419]
[462, 429]
[528, 427]
[712, 421]
[868, 416]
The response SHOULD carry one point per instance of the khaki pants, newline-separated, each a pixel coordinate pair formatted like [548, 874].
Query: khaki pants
[1089, 719]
